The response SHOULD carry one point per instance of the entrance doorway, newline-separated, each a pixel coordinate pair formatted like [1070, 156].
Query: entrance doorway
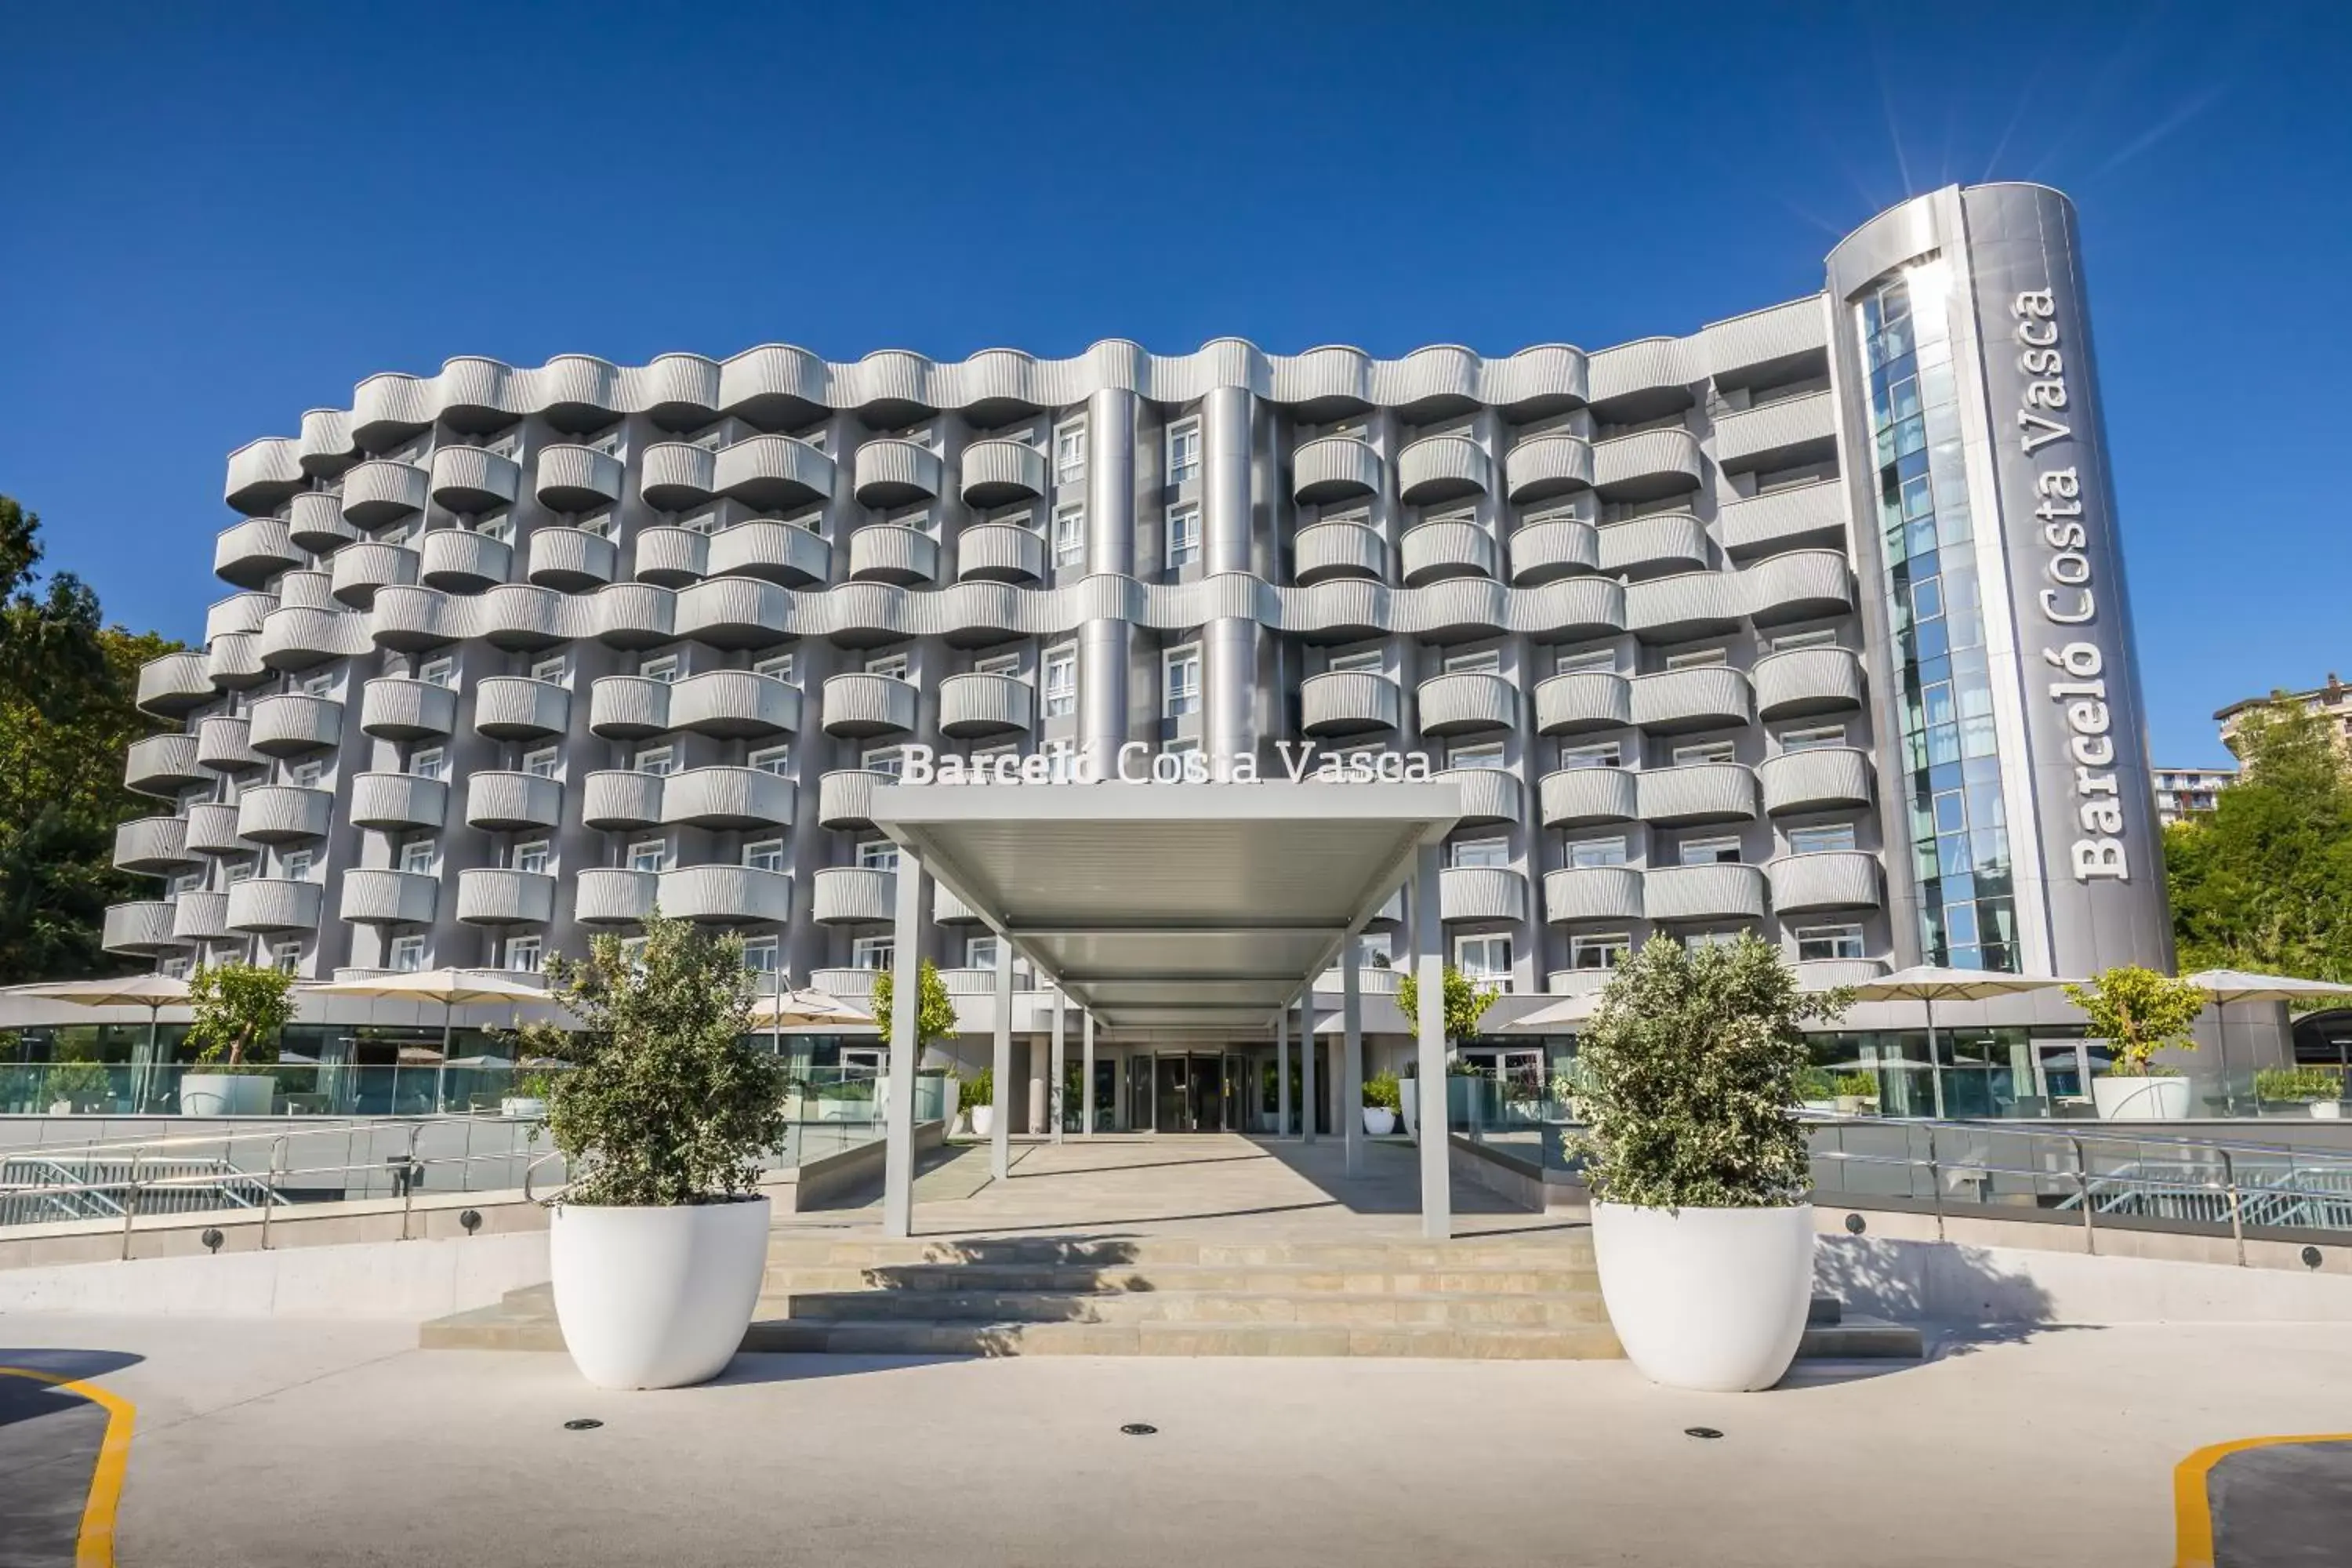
[1184, 1092]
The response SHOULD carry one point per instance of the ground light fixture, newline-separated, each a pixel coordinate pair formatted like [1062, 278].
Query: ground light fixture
[582, 1424]
[1139, 1429]
[1707, 1432]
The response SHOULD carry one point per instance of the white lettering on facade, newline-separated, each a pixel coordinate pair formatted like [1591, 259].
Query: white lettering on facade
[1136, 763]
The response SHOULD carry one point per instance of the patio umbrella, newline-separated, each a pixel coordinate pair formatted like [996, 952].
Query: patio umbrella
[801, 1009]
[1928, 984]
[2225, 985]
[450, 987]
[152, 992]
[1567, 1010]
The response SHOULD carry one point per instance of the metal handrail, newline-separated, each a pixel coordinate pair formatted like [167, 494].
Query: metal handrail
[2028, 1130]
[330, 1127]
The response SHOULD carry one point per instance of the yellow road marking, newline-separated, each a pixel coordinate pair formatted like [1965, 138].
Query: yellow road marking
[2192, 1507]
[94, 1547]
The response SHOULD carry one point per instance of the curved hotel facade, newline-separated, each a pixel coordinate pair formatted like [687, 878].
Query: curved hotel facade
[1810, 623]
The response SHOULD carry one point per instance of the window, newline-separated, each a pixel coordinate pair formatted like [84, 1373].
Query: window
[175, 969]
[237, 871]
[979, 952]
[1602, 950]
[296, 866]
[550, 670]
[1710, 852]
[543, 763]
[523, 953]
[1602, 660]
[1787, 641]
[1827, 942]
[1596, 852]
[1604, 755]
[767, 855]
[760, 956]
[599, 523]
[1184, 452]
[1811, 739]
[893, 665]
[1070, 451]
[500, 528]
[777, 760]
[438, 672]
[1490, 755]
[1701, 658]
[418, 855]
[870, 952]
[1061, 682]
[704, 522]
[1694, 941]
[650, 854]
[779, 668]
[1479, 852]
[918, 518]
[658, 760]
[1069, 537]
[663, 669]
[531, 856]
[188, 882]
[1486, 662]
[814, 439]
[1821, 839]
[1183, 534]
[431, 762]
[1181, 682]
[1485, 958]
[878, 855]
[1371, 661]
[286, 957]
[324, 685]
[1707, 752]
[407, 953]
[1003, 664]
[709, 440]
[307, 774]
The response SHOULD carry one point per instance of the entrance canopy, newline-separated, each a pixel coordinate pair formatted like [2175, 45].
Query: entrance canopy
[1194, 907]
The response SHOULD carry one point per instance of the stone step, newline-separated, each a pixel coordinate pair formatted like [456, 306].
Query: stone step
[1381, 1309]
[923, 1279]
[1825, 1311]
[920, 1337]
[1566, 1249]
[1863, 1339]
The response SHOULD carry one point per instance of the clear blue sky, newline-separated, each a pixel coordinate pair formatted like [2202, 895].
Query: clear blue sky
[210, 222]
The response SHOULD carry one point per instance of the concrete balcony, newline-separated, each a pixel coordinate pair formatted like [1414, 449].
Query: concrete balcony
[571, 560]
[1481, 893]
[300, 636]
[613, 895]
[459, 560]
[251, 553]
[239, 615]
[633, 616]
[672, 557]
[396, 708]
[374, 896]
[1582, 702]
[284, 814]
[1805, 682]
[1576, 982]
[174, 684]
[200, 917]
[1586, 797]
[1546, 466]
[1667, 542]
[858, 705]
[678, 475]
[1439, 468]
[266, 906]
[474, 479]
[616, 801]
[395, 802]
[1823, 778]
[844, 799]
[577, 478]
[153, 846]
[1696, 793]
[379, 491]
[412, 620]
[1593, 893]
[315, 522]
[985, 705]
[511, 801]
[1488, 794]
[891, 472]
[854, 985]
[1678, 701]
[1829, 879]
[1331, 552]
[142, 930]
[734, 705]
[1647, 466]
[948, 909]
[853, 895]
[1465, 700]
[1548, 551]
[515, 707]
[225, 746]
[999, 473]
[1435, 551]
[727, 895]
[212, 828]
[1691, 604]
[162, 765]
[359, 570]
[1334, 468]
[726, 797]
[1803, 585]
[234, 663]
[1777, 435]
[1000, 552]
[771, 473]
[493, 896]
[293, 722]
[1828, 974]
[885, 552]
[1348, 702]
[1712, 892]
[1801, 517]
[780, 552]
[1370, 982]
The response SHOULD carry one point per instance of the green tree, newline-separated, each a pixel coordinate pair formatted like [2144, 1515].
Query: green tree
[1686, 1073]
[935, 1012]
[1467, 1001]
[238, 1010]
[2264, 881]
[2138, 1012]
[671, 1100]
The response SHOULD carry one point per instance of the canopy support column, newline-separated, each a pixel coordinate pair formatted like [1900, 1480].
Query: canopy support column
[1282, 1073]
[1429, 980]
[1086, 1084]
[1351, 1055]
[1000, 1069]
[1054, 1083]
[1312, 1101]
[906, 997]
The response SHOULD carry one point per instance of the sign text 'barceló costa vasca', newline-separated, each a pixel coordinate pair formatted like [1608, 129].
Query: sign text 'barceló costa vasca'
[1303, 762]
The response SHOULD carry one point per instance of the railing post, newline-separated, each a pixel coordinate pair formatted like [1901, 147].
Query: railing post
[131, 1201]
[1934, 1182]
[269, 1190]
[2237, 1219]
[408, 1182]
[2082, 1184]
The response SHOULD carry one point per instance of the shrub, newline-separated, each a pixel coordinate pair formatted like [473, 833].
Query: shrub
[2138, 1012]
[1467, 1001]
[239, 1009]
[1855, 1086]
[1816, 1083]
[978, 1091]
[1693, 1061]
[2305, 1084]
[1382, 1092]
[935, 1013]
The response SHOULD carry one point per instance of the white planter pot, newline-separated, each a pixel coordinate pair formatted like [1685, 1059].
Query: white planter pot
[226, 1094]
[1378, 1120]
[984, 1121]
[523, 1107]
[1408, 1093]
[1707, 1298]
[2328, 1109]
[657, 1297]
[2153, 1098]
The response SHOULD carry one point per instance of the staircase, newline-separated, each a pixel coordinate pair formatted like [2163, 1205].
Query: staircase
[1493, 1297]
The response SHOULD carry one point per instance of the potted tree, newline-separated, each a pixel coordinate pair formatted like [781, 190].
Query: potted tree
[2320, 1089]
[1381, 1097]
[2139, 1013]
[977, 1098]
[935, 1017]
[1467, 1001]
[238, 1011]
[1700, 1226]
[659, 1242]
[1854, 1093]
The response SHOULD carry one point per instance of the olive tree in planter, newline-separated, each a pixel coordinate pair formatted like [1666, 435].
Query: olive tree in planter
[238, 1010]
[935, 1020]
[1383, 1094]
[1700, 1226]
[2138, 1012]
[658, 1243]
[1467, 1001]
